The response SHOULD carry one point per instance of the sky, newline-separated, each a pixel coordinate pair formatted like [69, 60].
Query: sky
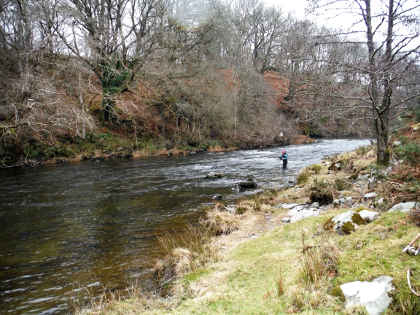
[295, 7]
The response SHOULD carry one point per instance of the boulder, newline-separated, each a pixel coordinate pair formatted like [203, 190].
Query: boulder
[247, 185]
[404, 207]
[372, 295]
[368, 216]
[379, 202]
[371, 195]
[213, 175]
[285, 220]
[347, 222]
[286, 205]
[301, 212]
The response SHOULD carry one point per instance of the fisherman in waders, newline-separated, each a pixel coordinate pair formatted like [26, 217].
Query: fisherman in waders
[284, 158]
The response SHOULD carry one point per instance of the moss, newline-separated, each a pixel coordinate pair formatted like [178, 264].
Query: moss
[241, 210]
[337, 292]
[348, 227]
[356, 218]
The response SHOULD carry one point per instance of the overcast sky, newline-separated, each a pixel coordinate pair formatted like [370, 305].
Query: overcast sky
[296, 7]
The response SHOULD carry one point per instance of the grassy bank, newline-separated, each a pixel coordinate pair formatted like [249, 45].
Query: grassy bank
[265, 266]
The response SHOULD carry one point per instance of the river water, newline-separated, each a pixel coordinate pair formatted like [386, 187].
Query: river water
[68, 232]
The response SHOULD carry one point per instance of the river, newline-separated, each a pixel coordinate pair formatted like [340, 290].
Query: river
[68, 232]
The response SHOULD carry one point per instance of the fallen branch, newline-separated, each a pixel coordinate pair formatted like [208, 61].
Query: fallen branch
[409, 284]
[411, 243]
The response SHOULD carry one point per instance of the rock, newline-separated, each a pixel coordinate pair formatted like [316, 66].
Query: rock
[298, 208]
[247, 185]
[285, 220]
[231, 209]
[372, 295]
[301, 212]
[347, 222]
[371, 195]
[396, 143]
[379, 202]
[315, 205]
[217, 197]
[348, 201]
[213, 175]
[368, 216]
[404, 207]
[287, 205]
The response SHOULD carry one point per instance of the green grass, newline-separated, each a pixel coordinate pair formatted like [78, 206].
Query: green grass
[250, 280]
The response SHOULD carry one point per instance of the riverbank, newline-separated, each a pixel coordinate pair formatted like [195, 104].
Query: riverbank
[275, 261]
[111, 146]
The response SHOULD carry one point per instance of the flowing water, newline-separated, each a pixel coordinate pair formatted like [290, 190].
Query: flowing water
[68, 232]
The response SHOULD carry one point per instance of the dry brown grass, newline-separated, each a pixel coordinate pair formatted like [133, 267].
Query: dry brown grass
[219, 222]
[319, 262]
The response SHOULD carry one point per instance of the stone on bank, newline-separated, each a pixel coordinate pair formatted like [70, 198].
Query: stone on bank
[372, 295]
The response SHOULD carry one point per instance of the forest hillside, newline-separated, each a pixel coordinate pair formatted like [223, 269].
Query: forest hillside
[95, 79]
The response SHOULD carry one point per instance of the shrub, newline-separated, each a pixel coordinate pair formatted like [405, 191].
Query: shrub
[303, 177]
[316, 168]
[363, 150]
[341, 184]
[409, 152]
[220, 222]
[321, 193]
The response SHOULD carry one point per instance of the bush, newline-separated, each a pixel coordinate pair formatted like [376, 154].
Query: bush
[341, 184]
[321, 193]
[410, 152]
[316, 168]
[303, 177]
[220, 222]
[363, 150]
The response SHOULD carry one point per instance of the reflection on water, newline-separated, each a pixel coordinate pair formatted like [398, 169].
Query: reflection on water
[93, 225]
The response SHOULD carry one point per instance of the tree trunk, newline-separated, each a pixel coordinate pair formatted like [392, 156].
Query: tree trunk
[107, 106]
[383, 152]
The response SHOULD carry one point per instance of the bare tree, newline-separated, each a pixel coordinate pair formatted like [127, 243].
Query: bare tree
[392, 41]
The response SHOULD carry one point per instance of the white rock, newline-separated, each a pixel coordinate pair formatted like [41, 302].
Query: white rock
[342, 218]
[285, 220]
[297, 213]
[230, 208]
[368, 216]
[348, 201]
[403, 207]
[372, 295]
[298, 208]
[395, 143]
[380, 202]
[371, 195]
[288, 205]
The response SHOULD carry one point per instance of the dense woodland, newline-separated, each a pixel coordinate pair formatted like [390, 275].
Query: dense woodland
[195, 73]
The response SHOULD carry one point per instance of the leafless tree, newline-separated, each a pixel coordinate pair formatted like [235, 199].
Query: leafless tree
[392, 41]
